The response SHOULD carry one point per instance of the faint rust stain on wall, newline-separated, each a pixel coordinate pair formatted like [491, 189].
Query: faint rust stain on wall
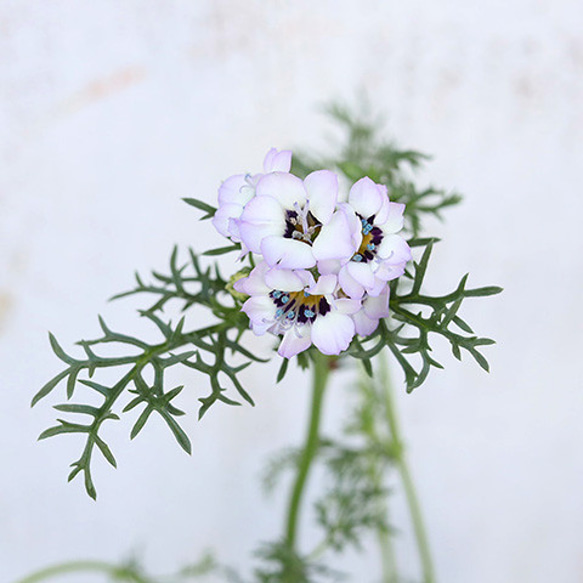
[102, 88]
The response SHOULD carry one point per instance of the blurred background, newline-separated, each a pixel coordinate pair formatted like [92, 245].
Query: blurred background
[111, 112]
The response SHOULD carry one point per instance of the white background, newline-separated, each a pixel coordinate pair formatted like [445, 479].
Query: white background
[110, 112]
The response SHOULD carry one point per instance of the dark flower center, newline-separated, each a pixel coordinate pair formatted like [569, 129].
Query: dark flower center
[301, 225]
[300, 306]
[371, 239]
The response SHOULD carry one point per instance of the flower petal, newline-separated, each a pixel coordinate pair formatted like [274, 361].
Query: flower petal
[394, 249]
[261, 312]
[365, 197]
[332, 333]
[326, 284]
[394, 220]
[254, 283]
[377, 307]
[284, 280]
[379, 284]
[348, 306]
[361, 272]
[261, 217]
[276, 161]
[363, 324]
[235, 189]
[329, 266]
[285, 188]
[383, 212]
[354, 223]
[387, 272]
[349, 285]
[287, 253]
[335, 240]
[223, 217]
[295, 341]
[322, 189]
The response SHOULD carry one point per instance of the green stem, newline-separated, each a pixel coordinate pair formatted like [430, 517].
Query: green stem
[376, 471]
[407, 480]
[81, 566]
[321, 372]
[388, 557]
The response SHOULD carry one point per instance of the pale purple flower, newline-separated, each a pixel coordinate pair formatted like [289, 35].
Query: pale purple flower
[304, 310]
[235, 192]
[293, 223]
[382, 254]
[366, 320]
[325, 264]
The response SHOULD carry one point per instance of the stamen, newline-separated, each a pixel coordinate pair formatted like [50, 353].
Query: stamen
[296, 309]
[371, 239]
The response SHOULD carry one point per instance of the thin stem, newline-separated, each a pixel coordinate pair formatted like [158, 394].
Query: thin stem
[388, 556]
[82, 566]
[321, 372]
[406, 478]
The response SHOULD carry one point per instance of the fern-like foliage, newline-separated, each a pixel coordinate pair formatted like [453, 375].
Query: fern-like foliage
[143, 365]
[416, 317]
[218, 351]
[364, 152]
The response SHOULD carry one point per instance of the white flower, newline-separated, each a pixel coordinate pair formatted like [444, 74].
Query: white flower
[292, 223]
[324, 264]
[235, 192]
[305, 311]
[366, 320]
[381, 254]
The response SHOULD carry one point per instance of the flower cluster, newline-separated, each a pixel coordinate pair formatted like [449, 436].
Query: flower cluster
[326, 259]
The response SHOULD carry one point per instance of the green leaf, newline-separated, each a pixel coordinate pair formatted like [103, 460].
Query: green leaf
[89, 486]
[76, 408]
[133, 403]
[59, 351]
[462, 324]
[141, 421]
[421, 268]
[104, 448]
[203, 206]
[105, 391]
[63, 428]
[74, 371]
[480, 359]
[491, 290]
[422, 241]
[178, 432]
[49, 387]
[282, 369]
[222, 250]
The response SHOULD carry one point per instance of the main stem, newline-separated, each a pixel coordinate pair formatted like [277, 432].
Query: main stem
[407, 480]
[321, 371]
[388, 557]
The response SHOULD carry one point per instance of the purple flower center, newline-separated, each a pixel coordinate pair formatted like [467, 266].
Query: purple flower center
[298, 307]
[371, 239]
[301, 224]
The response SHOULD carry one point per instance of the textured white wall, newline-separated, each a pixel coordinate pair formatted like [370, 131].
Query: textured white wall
[110, 112]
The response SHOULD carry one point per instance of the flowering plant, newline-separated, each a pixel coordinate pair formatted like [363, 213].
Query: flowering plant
[332, 264]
